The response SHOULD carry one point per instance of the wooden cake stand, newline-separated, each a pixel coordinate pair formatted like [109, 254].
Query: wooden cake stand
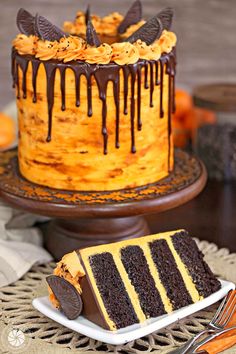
[82, 219]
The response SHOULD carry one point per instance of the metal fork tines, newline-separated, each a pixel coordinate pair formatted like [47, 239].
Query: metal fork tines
[194, 349]
[221, 318]
[226, 312]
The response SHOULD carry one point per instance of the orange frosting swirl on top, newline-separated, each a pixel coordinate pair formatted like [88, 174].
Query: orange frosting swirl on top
[71, 48]
[98, 55]
[109, 24]
[103, 25]
[25, 44]
[148, 52]
[167, 41]
[46, 50]
[124, 53]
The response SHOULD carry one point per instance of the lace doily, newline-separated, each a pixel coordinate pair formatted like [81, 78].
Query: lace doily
[16, 311]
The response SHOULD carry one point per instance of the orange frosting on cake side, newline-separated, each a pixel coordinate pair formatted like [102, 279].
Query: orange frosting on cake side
[72, 157]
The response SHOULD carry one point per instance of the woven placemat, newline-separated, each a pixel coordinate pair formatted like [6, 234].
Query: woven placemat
[42, 335]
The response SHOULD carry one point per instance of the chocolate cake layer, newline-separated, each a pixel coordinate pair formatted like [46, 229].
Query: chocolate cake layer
[139, 274]
[112, 290]
[169, 274]
[203, 278]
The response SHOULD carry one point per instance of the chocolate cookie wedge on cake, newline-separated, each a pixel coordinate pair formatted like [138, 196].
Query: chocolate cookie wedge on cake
[130, 281]
[95, 115]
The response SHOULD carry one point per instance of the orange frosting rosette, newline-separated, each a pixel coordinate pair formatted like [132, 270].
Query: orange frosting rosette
[109, 24]
[25, 44]
[98, 55]
[147, 52]
[167, 41]
[71, 48]
[103, 25]
[124, 53]
[46, 50]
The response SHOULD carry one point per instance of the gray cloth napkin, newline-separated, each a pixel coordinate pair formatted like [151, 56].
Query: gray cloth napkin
[20, 244]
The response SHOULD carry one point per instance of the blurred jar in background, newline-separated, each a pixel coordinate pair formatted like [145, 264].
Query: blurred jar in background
[215, 138]
[206, 124]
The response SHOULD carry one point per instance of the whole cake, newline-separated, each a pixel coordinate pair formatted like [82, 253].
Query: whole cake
[119, 284]
[95, 99]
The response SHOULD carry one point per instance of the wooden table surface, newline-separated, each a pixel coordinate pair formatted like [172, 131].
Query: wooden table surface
[206, 53]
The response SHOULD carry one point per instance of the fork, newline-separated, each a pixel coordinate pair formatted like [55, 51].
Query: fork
[193, 350]
[219, 321]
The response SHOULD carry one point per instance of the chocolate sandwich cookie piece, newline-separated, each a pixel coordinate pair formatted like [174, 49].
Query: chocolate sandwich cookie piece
[25, 22]
[148, 33]
[134, 15]
[166, 16]
[87, 15]
[91, 35]
[67, 296]
[44, 29]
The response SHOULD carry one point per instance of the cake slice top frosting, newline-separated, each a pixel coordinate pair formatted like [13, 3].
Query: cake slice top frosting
[96, 40]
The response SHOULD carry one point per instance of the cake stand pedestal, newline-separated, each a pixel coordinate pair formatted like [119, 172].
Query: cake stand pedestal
[81, 219]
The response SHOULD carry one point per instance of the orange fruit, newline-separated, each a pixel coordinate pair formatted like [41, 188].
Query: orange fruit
[7, 130]
[184, 103]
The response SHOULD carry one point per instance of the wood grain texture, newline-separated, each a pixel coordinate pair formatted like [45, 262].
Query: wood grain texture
[206, 34]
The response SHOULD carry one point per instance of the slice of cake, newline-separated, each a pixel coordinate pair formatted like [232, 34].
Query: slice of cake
[130, 281]
[95, 115]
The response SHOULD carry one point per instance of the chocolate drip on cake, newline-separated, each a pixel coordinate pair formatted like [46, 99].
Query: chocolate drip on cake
[139, 274]
[89, 97]
[112, 290]
[133, 70]
[77, 86]
[126, 87]
[157, 81]
[24, 66]
[192, 257]
[139, 125]
[50, 69]
[63, 87]
[151, 84]
[103, 74]
[169, 274]
[161, 87]
[35, 67]
[146, 86]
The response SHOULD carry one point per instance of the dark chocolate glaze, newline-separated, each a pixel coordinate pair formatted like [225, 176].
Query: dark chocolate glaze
[162, 64]
[34, 80]
[50, 69]
[63, 88]
[102, 75]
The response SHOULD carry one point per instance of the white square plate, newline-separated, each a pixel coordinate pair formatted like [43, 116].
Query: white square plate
[127, 334]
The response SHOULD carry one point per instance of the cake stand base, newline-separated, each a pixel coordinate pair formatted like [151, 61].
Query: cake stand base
[81, 219]
[72, 234]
